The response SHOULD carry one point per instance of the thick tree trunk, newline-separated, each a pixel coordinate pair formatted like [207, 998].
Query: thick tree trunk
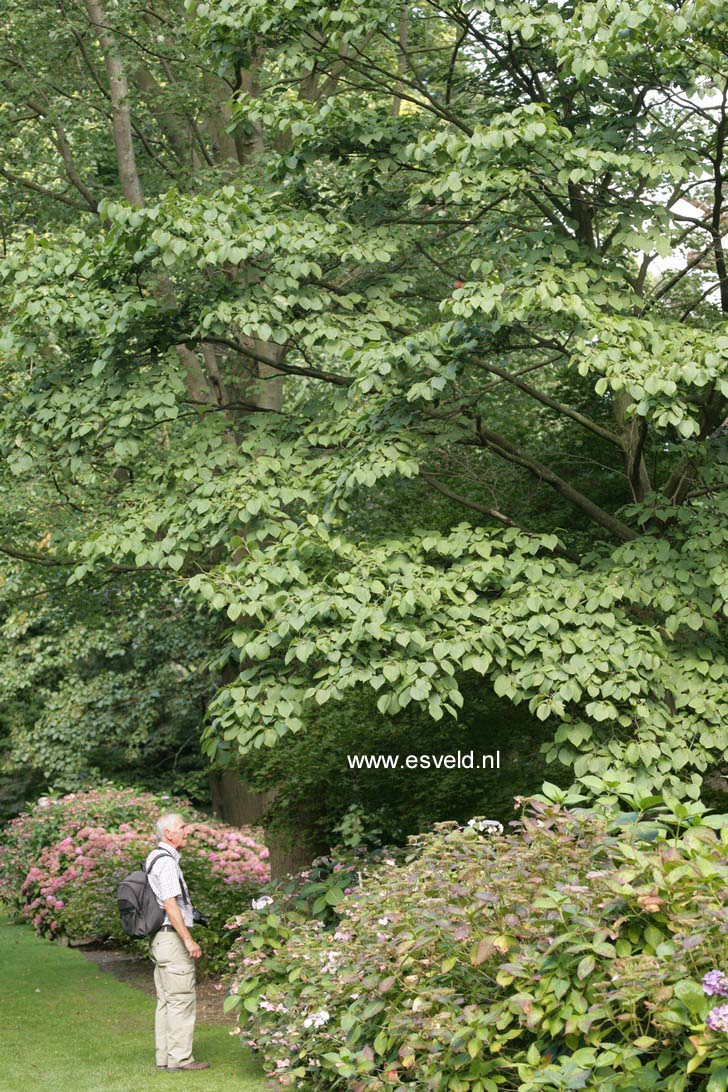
[286, 858]
[237, 804]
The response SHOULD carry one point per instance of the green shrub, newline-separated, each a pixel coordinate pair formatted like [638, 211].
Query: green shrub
[568, 954]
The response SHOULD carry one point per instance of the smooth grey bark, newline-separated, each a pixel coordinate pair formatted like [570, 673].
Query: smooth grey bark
[121, 113]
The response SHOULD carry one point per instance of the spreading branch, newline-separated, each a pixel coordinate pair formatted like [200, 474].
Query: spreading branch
[546, 400]
[492, 513]
[502, 447]
[287, 369]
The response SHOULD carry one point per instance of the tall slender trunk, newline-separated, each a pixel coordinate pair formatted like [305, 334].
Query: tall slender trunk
[632, 431]
[234, 800]
[119, 92]
[402, 58]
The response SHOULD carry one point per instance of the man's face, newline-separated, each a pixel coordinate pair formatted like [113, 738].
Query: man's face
[176, 837]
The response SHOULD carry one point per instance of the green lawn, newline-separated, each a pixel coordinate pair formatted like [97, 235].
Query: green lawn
[66, 1026]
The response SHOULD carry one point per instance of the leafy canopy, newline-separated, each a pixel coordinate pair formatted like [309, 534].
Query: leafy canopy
[413, 368]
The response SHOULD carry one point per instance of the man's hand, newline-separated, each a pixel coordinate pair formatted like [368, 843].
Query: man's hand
[175, 917]
[193, 948]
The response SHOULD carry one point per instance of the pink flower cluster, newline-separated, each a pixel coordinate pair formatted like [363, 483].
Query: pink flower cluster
[234, 854]
[53, 824]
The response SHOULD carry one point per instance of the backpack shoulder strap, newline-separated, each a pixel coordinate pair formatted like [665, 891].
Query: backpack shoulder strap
[160, 853]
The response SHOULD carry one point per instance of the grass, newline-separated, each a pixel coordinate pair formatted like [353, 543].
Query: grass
[66, 1026]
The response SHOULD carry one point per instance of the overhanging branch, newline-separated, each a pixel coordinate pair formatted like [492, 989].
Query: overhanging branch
[546, 400]
[287, 369]
[34, 558]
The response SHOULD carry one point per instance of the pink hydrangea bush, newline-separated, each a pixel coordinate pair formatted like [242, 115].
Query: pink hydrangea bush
[61, 862]
[52, 820]
[72, 887]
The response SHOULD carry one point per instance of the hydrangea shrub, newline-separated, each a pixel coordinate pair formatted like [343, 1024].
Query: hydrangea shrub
[715, 984]
[571, 953]
[61, 862]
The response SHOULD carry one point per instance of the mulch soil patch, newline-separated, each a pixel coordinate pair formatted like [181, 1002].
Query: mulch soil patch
[138, 971]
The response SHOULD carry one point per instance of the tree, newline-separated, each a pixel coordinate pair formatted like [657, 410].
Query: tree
[423, 255]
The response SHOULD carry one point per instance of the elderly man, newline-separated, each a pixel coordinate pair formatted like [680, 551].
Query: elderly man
[173, 950]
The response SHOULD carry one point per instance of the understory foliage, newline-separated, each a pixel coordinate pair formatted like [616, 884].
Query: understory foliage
[61, 862]
[317, 783]
[393, 335]
[566, 954]
[107, 680]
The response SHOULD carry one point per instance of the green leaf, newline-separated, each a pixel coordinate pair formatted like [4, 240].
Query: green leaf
[585, 968]
[691, 995]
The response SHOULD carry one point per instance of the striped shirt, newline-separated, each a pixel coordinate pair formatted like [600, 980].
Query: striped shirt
[167, 882]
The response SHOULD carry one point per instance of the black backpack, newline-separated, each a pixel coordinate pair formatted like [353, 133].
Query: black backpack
[141, 914]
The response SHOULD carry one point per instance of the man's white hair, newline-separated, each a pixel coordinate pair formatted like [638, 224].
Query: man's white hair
[169, 821]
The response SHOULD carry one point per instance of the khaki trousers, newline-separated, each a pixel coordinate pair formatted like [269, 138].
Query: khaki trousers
[174, 979]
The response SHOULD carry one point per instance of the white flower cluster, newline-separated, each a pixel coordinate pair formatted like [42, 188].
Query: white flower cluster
[317, 1019]
[330, 961]
[485, 826]
[262, 902]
